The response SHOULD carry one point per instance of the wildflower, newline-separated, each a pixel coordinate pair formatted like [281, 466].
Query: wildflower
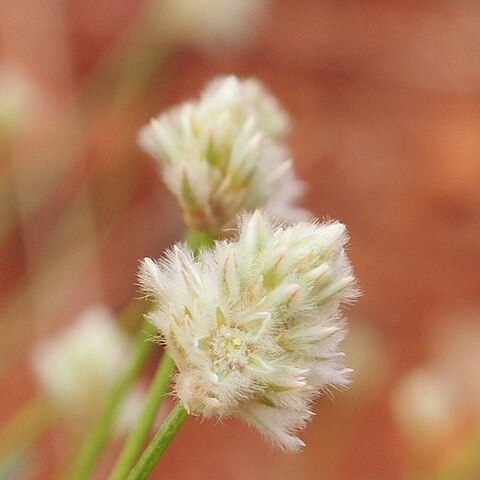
[221, 155]
[254, 324]
[77, 368]
[211, 24]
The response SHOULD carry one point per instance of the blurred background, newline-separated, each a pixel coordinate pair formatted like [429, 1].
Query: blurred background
[385, 102]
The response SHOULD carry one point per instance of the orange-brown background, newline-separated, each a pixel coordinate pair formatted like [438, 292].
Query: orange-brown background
[385, 99]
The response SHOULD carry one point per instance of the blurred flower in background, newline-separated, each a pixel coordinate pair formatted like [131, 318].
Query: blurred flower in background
[437, 406]
[435, 400]
[215, 26]
[426, 406]
[19, 101]
[77, 367]
[454, 346]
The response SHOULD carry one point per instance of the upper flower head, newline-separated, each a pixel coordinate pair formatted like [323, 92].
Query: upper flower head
[254, 324]
[221, 155]
[247, 97]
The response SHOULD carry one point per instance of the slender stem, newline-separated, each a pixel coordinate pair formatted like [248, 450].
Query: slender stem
[140, 433]
[151, 456]
[96, 441]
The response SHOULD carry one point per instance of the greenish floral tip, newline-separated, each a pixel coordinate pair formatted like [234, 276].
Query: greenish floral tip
[199, 239]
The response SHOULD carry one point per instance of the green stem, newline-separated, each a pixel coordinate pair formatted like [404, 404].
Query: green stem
[151, 456]
[96, 441]
[140, 433]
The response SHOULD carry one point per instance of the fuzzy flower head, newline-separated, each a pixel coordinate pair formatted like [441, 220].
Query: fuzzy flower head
[78, 367]
[222, 154]
[254, 324]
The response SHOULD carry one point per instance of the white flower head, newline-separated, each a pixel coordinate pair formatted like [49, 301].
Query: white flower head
[78, 367]
[221, 155]
[254, 324]
[213, 25]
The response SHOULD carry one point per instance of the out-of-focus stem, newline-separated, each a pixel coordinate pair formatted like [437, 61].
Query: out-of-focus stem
[141, 430]
[116, 79]
[96, 441]
[112, 84]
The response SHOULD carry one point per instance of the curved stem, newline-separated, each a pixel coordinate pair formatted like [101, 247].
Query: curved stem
[96, 441]
[151, 456]
[140, 433]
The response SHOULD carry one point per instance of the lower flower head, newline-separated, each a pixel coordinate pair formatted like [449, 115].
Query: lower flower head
[254, 324]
